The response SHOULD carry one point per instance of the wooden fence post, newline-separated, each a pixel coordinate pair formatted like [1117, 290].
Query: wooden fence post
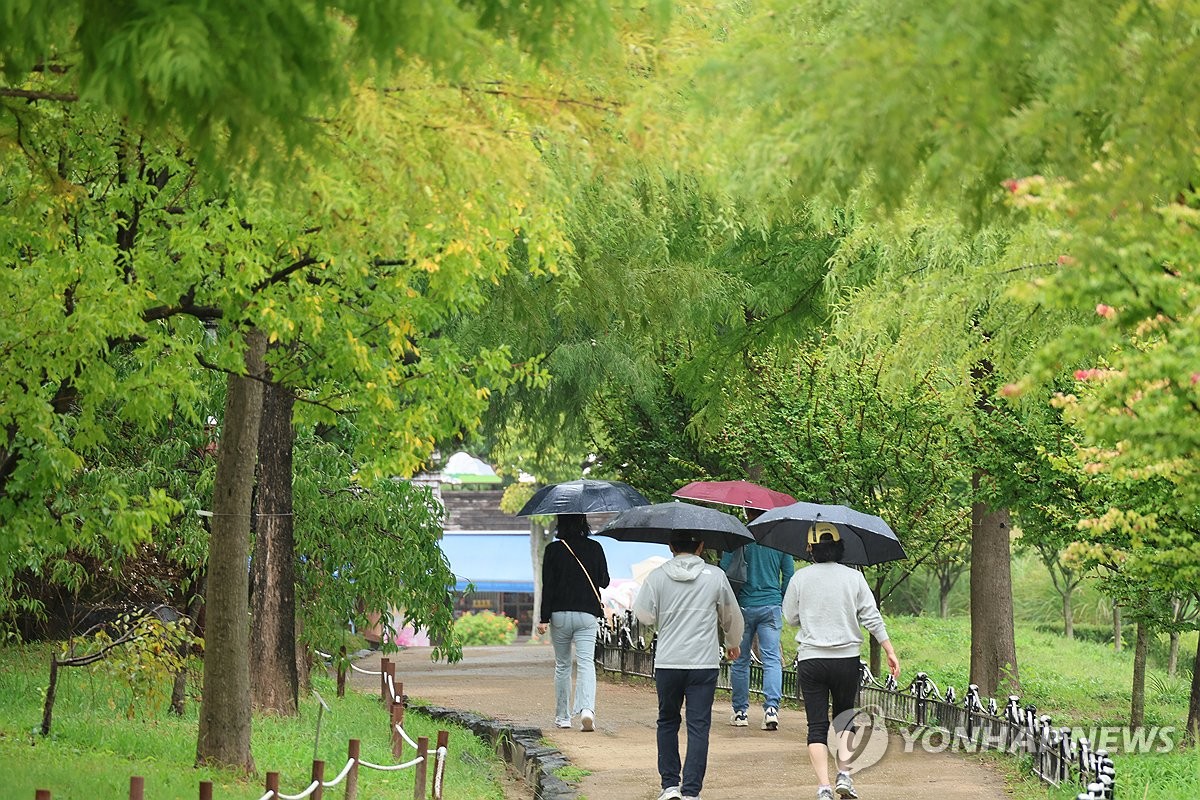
[397, 718]
[48, 707]
[41, 794]
[137, 787]
[273, 783]
[341, 672]
[318, 775]
[398, 700]
[352, 775]
[383, 673]
[420, 776]
[206, 790]
[439, 768]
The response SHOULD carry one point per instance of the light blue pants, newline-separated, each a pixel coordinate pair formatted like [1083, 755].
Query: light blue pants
[767, 622]
[579, 628]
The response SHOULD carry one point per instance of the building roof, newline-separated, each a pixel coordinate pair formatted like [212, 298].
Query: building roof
[500, 561]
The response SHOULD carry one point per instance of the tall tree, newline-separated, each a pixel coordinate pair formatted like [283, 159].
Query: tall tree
[224, 736]
[69, 61]
[274, 680]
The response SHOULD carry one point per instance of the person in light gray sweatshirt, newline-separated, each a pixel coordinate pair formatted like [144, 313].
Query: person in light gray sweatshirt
[831, 603]
[687, 598]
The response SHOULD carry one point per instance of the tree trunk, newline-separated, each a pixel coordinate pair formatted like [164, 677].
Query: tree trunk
[539, 537]
[224, 731]
[179, 687]
[1068, 613]
[945, 584]
[303, 660]
[274, 681]
[993, 645]
[1192, 736]
[1117, 635]
[1173, 652]
[1137, 708]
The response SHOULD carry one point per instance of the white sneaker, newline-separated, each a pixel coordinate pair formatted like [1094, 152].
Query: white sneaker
[559, 722]
[587, 719]
[670, 793]
[771, 719]
[739, 719]
[844, 787]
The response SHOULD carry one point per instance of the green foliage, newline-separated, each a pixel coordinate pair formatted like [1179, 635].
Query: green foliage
[136, 274]
[1029, 161]
[234, 77]
[366, 549]
[484, 628]
[144, 667]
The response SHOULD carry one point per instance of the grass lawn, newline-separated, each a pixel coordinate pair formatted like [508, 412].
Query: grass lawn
[95, 745]
[1081, 684]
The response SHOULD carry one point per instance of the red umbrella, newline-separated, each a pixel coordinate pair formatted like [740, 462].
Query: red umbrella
[735, 493]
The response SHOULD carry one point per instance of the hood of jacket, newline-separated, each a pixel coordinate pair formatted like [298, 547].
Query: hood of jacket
[684, 568]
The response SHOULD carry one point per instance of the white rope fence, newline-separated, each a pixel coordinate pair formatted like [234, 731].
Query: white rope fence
[352, 665]
[393, 695]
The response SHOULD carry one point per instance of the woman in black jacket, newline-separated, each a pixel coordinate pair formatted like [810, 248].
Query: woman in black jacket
[574, 571]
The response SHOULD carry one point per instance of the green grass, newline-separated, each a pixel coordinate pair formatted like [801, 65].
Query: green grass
[94, 747]
[572, 774]
[1081, 684]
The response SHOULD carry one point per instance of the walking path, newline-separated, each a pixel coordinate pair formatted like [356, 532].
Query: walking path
[515, 684]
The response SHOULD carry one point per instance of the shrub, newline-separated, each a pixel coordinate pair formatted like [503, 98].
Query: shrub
[485, 627]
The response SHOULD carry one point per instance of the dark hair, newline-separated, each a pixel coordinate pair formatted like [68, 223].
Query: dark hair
[827, 550]
[684, 543]
[573, 526]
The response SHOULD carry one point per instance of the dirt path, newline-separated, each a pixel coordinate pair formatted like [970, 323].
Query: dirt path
[515, 684]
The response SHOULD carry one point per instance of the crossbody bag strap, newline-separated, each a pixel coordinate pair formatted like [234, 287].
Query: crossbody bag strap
[591, 582]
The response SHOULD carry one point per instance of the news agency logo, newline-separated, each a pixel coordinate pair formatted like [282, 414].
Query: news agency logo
[868, 740]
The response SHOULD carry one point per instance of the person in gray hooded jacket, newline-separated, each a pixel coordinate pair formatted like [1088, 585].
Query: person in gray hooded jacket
[688, 599]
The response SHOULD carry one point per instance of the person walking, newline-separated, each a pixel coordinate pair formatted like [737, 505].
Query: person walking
[768, 572]
[832, 603]
[574, 570]
[689, 600]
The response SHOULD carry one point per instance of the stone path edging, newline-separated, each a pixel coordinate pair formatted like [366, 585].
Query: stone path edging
[522, 748]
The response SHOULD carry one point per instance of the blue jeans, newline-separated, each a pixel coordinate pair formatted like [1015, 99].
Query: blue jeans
[578, 628]
[697, 687]
[767, 622]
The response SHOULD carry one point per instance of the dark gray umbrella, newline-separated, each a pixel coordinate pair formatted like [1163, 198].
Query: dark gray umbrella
[582, 497]
[661, 522]
[869, 540]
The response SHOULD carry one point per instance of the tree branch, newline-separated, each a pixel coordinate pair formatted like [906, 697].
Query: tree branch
[283, 274]
[33, 96]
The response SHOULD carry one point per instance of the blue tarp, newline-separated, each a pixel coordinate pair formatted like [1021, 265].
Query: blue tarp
[499, 561]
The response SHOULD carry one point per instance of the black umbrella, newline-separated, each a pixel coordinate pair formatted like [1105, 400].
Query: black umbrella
[582, 497]
[869, 540]
[661, 522]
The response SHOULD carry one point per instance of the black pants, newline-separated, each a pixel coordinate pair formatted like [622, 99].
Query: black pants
[822, 680]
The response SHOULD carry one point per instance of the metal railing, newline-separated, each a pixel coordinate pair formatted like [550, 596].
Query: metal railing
[1058, 757]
